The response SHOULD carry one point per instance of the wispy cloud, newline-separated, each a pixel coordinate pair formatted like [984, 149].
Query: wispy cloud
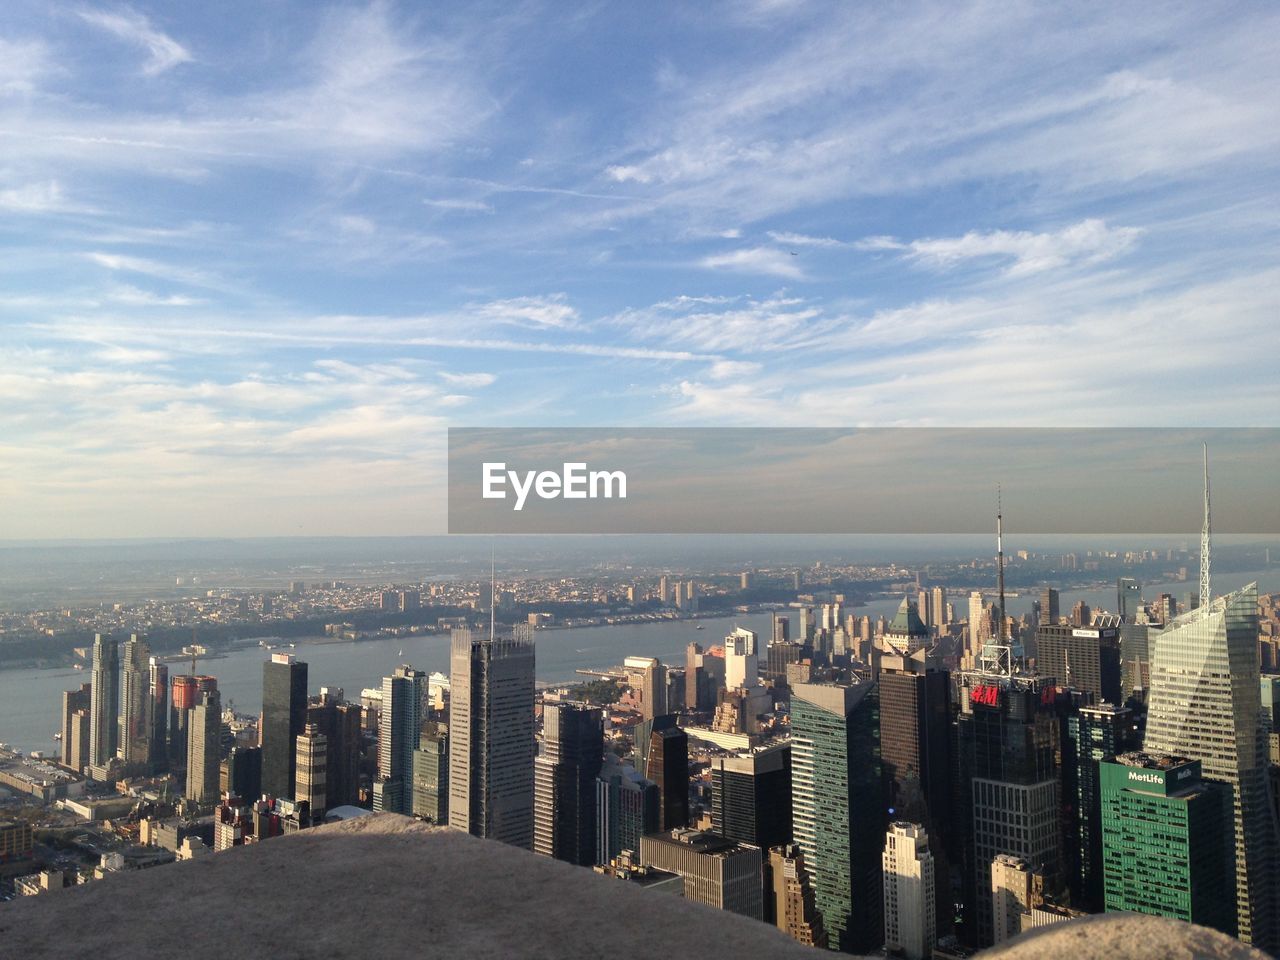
[1089, 241]
[802, 240]
[163, 52]
[460, 206]
[767, 261]
[468, 380]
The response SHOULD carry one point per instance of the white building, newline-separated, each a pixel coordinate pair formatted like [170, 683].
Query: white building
[910, 919]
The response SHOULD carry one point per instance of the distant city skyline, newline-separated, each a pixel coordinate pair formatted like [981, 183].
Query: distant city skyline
[257, 260]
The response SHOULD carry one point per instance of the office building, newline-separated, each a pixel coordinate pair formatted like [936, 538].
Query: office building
[431, 774]
[1085, 658]
[76, 707]
[1128, 598]
[1049, 612]
[399, 732]
[1167, 840]
[837, 806]
[241, 773]
[648, 678]
[1094, 733]
[910, 892]
[340, 722]
[312, 765]
[135, 702]
[793, 909]
[185, 692]
[204, 749]
[741, 662]
[915, 740]
[491, 735]
[716, 871]
[104, 715]
[666, 764]
[751, 795]
[284, 717]
[626, 809]
[1205, 704]
[907, 632]
[1012, 879]
[564, 782]
[158, 704]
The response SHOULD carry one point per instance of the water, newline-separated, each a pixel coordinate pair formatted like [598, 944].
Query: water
[30, 700]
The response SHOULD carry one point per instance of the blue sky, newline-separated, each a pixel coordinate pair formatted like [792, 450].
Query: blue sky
[258, 256]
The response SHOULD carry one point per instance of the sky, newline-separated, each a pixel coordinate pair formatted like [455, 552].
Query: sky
[255, 258]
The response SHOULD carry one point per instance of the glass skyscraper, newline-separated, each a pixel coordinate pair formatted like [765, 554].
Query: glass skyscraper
[1205, 704]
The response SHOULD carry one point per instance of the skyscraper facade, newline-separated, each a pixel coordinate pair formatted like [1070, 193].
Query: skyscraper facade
[1095, 733]
[76, 705]
[1205, 704]
[910, 893]
[135, 701]
[104, 717]
[667, 766]
[431, 774]
[1084, 658]
[284, 717]
[837, 806]
[564, 782]
[399, 731]
[158, 702]
[204, 749]
[795, 909]
[751, 795]
[716, 871]
[312, 765]
[491, 733]
[626, 809]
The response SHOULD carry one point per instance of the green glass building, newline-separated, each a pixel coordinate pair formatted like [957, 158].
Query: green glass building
[1167, 840]
[838, 806]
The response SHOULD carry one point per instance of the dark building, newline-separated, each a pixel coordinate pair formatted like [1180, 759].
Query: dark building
[667, 765]
[159, 720]
[242, 773]
[284, 718]
[1094, 733]
[915, 739]
[1085, 658]
[751, 796]
[626, 809]
[1007, 794]
[564, 782]
[185, 692]
[431, 774]
[781, 653]
[339, 722]
[1049, 606]
[75, 744]
[1128, 598]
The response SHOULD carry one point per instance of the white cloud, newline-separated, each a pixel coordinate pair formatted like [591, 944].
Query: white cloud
[802, 240]
[550, 312]
[22, 63]
[461, 206]
[135, 297]
[733, 369]
[468, 380]
[751, 326]
[148, 267]
[43, 197]
[163, 51]
[1088, 241]
[757, 260]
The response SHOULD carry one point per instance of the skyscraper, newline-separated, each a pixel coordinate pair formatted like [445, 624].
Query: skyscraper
[204, 749]
[431, 774]
[1012, 880]
[741, 660]
[1084, 658]
[910, 895]
[135, 702]
[648, 678]
[564, 784]
[1095, 733]
[907, 632]
[399, 731]
[104, 717]
[667, 765]
[626, 809]
[284, 717]
[915, 739]
[1166, 839]
[491, 733]
[312, 764]
[76, 704]
[185, 691]
[242, 773]
[1049, 612]
[1128, 597]
[158, 701]
[837, 806]
[751, 795]
[1205, 704]
[340, 723]
[716, 871]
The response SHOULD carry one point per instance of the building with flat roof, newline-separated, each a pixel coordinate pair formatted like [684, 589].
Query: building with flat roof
[716, 871]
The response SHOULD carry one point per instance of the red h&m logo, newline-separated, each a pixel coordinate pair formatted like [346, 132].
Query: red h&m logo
[987, 695]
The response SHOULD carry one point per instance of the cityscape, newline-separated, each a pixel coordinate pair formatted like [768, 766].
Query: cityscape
[919, 783]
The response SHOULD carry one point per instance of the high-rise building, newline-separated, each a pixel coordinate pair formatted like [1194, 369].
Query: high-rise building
[938, 608]
[1094, 733]
[1166, 838]
[794, 909]
[1084, 658]
[837, 806]
[1205, 704]
[910, 892]
[399, 733]
[104, 715]
[694, 699]
[907, 632]
[241, 773]
[751, 795]
[667, 765]
[915, 739]
[1007, 798]
[1128, 598]
[1012, 879]
[431, 774]
[1049, 611]
[204, 749]
[648, 677]
[564, 782]
[491, 735]
[311, 765]
[284, 717]
[339, 721]
[76, 705]
[716, 871]
[626, 809]
[158, 703]
[741, 661]
[979, 623]
[185, 692]
[135, 701]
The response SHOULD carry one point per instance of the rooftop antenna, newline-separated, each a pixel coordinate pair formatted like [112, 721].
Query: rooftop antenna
[493, 590]
[1000, 559]
[1204, 539]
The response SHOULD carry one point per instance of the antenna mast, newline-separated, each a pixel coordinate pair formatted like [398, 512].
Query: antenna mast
[493, 590]
[1000, 561]
[1205, 592]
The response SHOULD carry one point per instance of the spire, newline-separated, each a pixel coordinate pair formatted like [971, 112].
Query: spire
[1000, 562]
[1205, 592]
[493, 590]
